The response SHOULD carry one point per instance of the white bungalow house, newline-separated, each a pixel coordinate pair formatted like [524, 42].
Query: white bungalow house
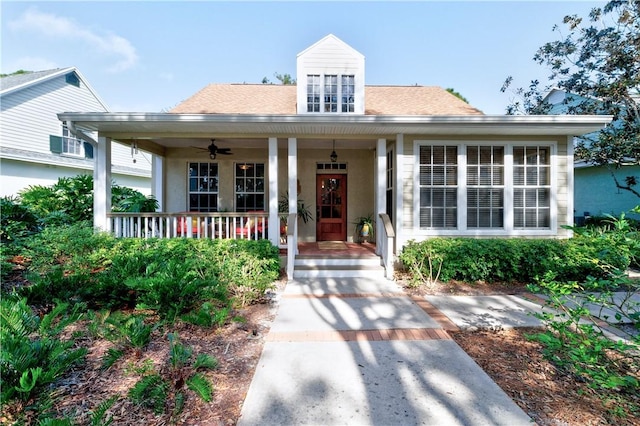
[422, 162]
[595, 192]
[37, 149]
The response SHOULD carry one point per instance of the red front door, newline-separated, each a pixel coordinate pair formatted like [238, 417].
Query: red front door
[331, 217]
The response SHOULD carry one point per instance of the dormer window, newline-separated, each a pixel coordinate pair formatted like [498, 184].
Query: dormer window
[335, 94]
[330, 78]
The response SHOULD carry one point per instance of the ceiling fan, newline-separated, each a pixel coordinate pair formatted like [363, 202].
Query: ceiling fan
[214, 150]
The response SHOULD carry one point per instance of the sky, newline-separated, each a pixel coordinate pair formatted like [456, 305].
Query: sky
[148, 56]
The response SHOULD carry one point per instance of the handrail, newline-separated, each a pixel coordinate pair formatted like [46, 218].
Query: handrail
[387, 240]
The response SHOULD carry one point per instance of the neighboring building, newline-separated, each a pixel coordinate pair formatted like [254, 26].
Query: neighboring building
[417, 158]
[37, 149]
[595, 192]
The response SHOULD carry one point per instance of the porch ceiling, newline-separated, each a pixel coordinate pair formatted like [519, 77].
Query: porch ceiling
[176, 130]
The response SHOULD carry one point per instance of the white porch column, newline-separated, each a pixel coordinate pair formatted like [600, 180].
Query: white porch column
[398, 186]
[293, 175]
[274, 218]
[157, 179]
[381, 189]
[293, 186]
[102, 183]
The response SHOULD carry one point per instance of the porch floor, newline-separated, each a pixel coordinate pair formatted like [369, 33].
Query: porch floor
[353, 250]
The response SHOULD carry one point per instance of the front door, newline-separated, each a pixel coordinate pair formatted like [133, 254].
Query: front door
[331, 217]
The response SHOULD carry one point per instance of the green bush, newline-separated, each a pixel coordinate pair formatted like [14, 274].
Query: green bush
[515, 259]
[171, 276]
[73, 196]
[17, 221]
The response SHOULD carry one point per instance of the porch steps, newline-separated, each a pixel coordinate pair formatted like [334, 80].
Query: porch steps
[313, 266]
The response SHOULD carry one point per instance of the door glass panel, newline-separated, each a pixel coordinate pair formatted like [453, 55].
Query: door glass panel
[331, 198]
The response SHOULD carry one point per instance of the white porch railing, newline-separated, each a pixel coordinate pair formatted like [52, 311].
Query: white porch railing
[387, 241]
[190, 225]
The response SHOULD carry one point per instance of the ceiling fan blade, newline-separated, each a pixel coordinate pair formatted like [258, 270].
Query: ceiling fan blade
[225, 151]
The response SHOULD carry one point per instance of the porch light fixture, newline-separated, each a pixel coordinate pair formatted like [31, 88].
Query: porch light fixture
[334, 156]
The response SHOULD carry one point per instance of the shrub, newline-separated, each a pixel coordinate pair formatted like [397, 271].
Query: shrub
[513, 260]
[17, 221]
[171, 276]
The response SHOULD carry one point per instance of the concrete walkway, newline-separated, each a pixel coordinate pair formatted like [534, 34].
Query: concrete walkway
[361, 352]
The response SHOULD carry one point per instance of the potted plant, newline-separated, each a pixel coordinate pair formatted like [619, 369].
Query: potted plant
[364, 228]
[283, 209]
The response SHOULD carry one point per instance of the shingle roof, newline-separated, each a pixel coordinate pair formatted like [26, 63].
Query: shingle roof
[20, 79]
[281, 99]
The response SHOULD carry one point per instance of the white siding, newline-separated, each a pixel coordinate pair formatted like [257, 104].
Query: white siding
[29, 116]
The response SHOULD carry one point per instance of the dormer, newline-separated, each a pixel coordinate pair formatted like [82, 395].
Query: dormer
[330, 78]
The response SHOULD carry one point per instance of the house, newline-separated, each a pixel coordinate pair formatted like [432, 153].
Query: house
[421, 161]
[37, 149]
[595, 191]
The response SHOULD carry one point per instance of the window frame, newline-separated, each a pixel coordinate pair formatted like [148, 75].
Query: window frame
[508, 229]
[264, 177]
[211, 194]
[68, 139]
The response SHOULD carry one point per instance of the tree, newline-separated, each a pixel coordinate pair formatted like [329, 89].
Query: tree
[456, 94]
[284, 79]
[597, 64]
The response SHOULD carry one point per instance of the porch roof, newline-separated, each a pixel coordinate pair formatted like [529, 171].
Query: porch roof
[163, 128]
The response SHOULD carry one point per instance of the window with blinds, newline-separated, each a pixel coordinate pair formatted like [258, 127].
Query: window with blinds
[485, 187]
[438, 187]
[531, 187]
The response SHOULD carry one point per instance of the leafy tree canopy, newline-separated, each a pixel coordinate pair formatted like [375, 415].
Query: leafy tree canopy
[456, 94]
[284, 79]
[15, 73]
[597, 64]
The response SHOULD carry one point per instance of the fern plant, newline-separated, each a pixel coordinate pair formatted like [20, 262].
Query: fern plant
[153, 389]
[30, 354]
[152, 392]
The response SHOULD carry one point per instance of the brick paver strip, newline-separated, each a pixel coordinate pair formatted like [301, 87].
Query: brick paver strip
[434, 313]
[358, 335]
[369, 335]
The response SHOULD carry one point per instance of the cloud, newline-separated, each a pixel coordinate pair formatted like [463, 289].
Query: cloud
[54, 26]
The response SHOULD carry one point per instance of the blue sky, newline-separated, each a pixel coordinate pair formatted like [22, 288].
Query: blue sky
[150, 56]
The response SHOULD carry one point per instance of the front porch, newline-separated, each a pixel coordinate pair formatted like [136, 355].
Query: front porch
[325, 255]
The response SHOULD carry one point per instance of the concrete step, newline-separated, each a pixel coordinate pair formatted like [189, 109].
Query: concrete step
[336, 261]
[318, 266]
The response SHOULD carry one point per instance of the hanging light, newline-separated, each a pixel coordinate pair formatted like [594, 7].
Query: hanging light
[334, 156]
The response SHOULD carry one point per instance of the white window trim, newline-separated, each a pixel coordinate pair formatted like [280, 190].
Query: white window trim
[508, 229]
